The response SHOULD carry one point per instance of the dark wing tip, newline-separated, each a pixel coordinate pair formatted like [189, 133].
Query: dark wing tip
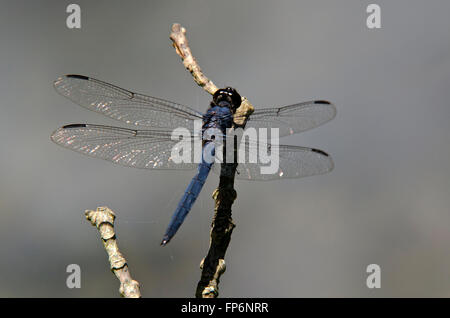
[320, 152]
[82, 77]
[322, 102]
[74, 126]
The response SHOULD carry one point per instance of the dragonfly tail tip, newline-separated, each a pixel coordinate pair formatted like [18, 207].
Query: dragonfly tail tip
[165, 240]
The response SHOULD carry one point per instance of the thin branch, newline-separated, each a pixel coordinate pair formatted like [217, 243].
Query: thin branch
[180, 43]
[103, 220]
[213, 265]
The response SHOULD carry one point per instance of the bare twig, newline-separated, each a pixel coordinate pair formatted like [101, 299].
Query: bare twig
[180, 43]
[213, 265]
[103, 219]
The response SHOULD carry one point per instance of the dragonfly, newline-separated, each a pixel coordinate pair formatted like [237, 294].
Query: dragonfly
[151, 146]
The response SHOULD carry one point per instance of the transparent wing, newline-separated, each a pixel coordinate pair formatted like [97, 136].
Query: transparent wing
[147, 149]
[294, 118]
[152, 149]
[293, 162]
[124, 105]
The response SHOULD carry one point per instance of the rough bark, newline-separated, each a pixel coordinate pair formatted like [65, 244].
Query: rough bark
[103, 219]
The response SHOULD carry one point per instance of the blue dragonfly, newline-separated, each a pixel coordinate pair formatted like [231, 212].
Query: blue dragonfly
[152, 147]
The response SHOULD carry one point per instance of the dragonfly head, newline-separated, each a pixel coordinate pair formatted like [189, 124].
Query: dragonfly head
[228, 95]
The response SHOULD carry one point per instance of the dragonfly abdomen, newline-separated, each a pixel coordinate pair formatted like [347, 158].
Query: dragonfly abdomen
[187, 201]
[217, 117]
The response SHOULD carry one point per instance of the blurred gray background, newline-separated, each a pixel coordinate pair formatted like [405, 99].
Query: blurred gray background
[386, 202]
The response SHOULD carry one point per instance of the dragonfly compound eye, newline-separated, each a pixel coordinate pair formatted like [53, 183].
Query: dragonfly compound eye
[229, 95]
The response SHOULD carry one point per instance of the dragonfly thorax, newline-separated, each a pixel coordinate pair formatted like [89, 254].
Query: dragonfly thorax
[219, 117]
